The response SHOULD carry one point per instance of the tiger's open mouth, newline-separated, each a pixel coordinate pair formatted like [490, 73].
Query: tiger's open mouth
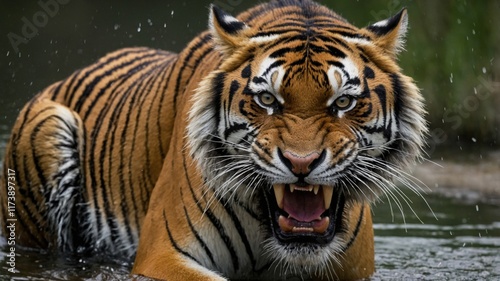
[305, 213]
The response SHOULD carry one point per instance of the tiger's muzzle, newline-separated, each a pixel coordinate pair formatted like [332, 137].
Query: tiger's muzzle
[301, 212]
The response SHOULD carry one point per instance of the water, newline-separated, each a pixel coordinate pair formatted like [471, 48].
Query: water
[463, 243]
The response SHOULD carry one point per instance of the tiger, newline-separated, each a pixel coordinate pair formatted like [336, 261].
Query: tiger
[254, 153]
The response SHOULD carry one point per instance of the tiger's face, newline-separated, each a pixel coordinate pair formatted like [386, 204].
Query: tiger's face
[301, 119]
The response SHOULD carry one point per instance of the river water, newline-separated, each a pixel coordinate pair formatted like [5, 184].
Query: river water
[456, 238]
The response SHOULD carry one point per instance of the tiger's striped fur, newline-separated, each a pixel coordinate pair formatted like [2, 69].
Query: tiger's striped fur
[287, 110]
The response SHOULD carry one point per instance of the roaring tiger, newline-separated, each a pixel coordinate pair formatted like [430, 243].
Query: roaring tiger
[252, 154]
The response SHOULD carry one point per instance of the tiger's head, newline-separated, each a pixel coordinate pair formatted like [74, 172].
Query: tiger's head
[305, 113]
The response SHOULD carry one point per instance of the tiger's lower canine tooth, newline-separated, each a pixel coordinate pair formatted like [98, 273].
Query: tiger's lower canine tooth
[327, 195]
[279, 192]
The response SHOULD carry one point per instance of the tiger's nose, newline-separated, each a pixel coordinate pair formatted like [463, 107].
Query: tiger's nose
[300, 165]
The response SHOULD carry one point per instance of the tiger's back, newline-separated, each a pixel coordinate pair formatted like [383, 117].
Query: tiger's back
[88, 150]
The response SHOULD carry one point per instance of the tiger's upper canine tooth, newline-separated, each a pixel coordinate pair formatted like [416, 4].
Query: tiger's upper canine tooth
[316, 189]
[279, 192]
[292, 187]
[327, 195]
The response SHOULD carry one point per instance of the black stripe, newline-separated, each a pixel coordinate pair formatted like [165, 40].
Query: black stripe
[203, 40]
[218, 91]
[172, 240]
[149, 185]
[398, 91]
[240, 229]
[129, 96]
[234, 128]
[246, 72]
[368, 72]
[27, 195]
[90, 87]
[34, 156]
[70, 81]
[139, 91]
[98, 66]
[235, 85]
[356, 230]
[198, 237]
[168, 68]
[213, 219]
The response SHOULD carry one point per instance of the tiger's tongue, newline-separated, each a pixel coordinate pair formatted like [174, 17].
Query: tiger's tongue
[303, 206]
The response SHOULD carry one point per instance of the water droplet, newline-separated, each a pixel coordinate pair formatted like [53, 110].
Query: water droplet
[477, 208]
[116, 27]
[484, 70]
[474, 140]
[451, 77]
[474, 32]
[8, 52]
[150, 22]
[172, 13]
[459, 21]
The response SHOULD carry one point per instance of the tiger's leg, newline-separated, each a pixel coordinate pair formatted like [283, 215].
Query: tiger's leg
[45, 152]
[166, 234]
[164, 260]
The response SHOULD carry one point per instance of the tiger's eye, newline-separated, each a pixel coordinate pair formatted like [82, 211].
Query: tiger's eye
[343, 102]
[267, 98]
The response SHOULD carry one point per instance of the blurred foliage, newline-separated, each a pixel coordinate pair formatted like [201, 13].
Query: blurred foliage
[452, 49]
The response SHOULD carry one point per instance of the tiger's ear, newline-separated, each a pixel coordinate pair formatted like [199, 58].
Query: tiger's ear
[227, 31]
[390, 33]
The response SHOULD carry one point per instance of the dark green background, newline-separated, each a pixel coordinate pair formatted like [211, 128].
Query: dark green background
[452, 49]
